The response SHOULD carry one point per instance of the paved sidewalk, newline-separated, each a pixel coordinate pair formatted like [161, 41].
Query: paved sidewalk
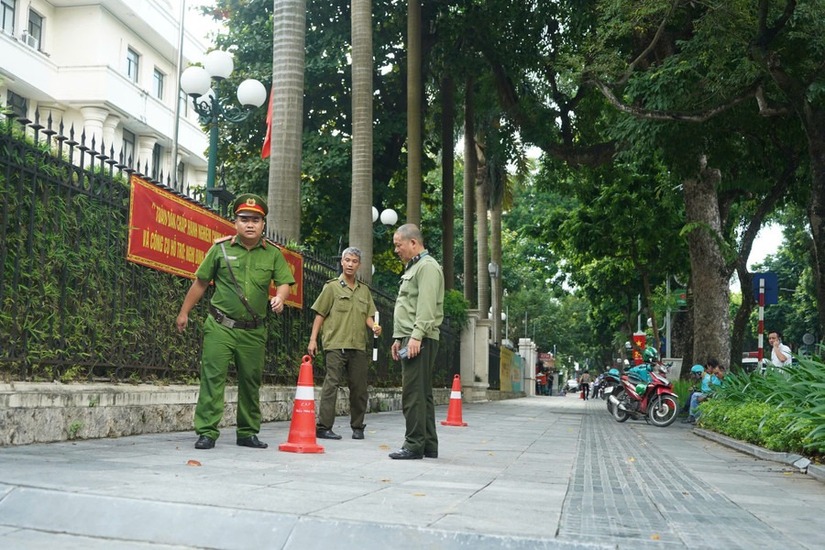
[539, 472]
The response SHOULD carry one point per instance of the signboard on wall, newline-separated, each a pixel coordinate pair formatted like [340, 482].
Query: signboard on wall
[172, 234]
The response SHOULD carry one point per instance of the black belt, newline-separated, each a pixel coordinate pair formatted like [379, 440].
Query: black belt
[221, 318]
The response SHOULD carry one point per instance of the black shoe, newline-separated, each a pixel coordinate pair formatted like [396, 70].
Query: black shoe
[204, 442]
[357, 433]
[689, 420]
[405, 454]
[251, 441]
[323, 433]
[430, 454]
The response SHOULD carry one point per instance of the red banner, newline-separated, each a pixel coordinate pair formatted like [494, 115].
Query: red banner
[639, 341]
[172, 234]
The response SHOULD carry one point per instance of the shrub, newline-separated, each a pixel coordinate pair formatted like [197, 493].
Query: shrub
[782, 411]
[455, 309]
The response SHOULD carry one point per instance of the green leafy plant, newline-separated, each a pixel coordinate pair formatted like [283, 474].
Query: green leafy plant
[781, 410]
[455, 308]
[74, 429]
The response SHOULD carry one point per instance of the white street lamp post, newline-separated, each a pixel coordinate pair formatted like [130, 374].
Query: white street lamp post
[388, 217]
[197, 83]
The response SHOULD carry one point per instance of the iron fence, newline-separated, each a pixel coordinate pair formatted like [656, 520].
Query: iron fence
[73, 308]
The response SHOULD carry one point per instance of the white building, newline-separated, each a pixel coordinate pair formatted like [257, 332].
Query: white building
[106, 67]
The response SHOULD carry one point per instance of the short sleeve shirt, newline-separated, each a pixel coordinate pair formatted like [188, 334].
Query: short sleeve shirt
[345, 311]
[253, 269]
[786, 351]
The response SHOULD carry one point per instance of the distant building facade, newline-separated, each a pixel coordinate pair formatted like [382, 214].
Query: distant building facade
[106, 68]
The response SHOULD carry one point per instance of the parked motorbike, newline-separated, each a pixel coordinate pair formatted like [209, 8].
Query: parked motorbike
[612, 380]
[652, 400]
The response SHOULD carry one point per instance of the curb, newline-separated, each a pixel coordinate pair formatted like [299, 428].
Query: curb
[803, 464]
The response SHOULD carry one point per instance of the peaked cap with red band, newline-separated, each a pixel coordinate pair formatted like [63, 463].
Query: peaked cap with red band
[250, 203]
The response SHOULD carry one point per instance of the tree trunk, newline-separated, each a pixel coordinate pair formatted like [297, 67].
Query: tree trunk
[815, 132]
[448, 181]
[360, 223]
[495, 256]
[414, 102]
[470, 171]
[284, 192]
[743, 315]
[482, 194]
[709, 272]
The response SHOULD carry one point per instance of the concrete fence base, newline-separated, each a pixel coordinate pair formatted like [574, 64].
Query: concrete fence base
[45, 412]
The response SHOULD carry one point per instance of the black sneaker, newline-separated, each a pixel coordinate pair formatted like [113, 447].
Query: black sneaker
[204, 442]
[252, 441]
[323, 433]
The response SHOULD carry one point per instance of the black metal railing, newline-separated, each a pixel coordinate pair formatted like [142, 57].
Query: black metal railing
[72, 307]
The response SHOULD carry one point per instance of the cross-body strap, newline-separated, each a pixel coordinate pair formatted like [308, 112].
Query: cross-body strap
[238, 290]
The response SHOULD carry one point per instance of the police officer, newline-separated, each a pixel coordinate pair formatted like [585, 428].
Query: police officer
[241, 267]
[343, 308]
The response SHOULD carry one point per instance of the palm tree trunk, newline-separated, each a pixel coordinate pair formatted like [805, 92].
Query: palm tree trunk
[284, 192]
[414, 101]
[448, 180]
[495, 256]
[482, 194]
[360, 223]
[470, 170]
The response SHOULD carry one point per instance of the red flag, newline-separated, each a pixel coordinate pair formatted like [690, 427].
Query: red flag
[268, 138]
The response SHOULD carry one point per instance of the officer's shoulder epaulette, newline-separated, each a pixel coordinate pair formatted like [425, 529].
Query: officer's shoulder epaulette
[223, 239]
[331, 280]
[272, 243]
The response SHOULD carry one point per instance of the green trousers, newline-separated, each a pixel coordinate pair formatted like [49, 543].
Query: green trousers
[222, 346]
[417, 398]
[354, 364]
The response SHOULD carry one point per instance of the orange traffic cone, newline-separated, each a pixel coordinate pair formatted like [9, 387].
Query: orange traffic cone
[454, 410]
[302, 427]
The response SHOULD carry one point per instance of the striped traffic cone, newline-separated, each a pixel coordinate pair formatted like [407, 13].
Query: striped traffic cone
[302, 427]
[454, 410]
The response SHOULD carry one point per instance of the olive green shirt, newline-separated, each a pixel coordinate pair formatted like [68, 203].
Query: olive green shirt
[253, 270]
[345, 311]
[419, 308]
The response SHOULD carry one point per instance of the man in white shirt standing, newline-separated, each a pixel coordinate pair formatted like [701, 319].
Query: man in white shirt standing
[780, 353]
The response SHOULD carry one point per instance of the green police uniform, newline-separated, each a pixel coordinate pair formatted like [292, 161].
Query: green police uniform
[344, 336]
[419, 311]
[244, 343]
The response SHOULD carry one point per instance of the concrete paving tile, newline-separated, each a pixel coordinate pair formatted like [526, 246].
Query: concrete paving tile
[595, 482]
[38, 540]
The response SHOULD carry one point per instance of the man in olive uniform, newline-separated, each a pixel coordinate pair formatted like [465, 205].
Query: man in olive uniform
[343, 308]
[242, 267]
[419, 311]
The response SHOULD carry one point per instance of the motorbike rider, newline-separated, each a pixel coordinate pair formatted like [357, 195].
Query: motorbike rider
[709, 382]
[697, 372]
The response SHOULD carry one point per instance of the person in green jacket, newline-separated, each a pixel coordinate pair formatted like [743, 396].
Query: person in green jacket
[242, 267]
[419, 311]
